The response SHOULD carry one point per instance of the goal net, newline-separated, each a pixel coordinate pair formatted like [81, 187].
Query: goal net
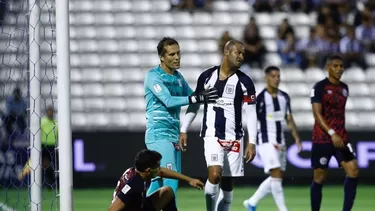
[28, 136]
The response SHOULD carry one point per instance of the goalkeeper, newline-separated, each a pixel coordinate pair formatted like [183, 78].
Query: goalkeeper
[166, 91]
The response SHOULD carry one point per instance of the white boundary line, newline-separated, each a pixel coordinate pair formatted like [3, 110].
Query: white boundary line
[4, 207]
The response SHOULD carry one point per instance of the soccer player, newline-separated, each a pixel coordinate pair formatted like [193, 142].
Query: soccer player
[222, 129]
[130, 193]
[330, 138]
[273, 109]
[165, 92]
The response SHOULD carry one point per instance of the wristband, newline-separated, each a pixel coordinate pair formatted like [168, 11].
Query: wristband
[331, 132]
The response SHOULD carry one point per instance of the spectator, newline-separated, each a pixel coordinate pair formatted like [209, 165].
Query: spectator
[352, 50]
[191, 5]
[261, 5]
[223, 40]
[366, 33]
[284, 28]
[308, 49]
[287, 50]
[254, 48]
[16, 112]
[368, 11]
[325, 13]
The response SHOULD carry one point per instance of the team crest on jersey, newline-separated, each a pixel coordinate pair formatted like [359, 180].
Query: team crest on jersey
[214, 157]
[229, 89]
[323, 161]
[344, 92]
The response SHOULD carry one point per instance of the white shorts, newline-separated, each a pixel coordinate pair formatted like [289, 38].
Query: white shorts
[272, 156]
[227, 154]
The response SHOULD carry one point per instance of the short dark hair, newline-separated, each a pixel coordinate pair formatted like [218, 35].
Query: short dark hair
[334, 57]
[165, 42]
[271, 68]
[146, 159]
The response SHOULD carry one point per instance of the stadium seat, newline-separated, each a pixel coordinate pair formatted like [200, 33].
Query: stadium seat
[114, 90]
[111, 60]
[242, 6]
[138, 120]
[141, 6]
[351, 119]
[80, 6]
[163, 19]
[267, 32]
[206, 32]
[115, 104]
[202, 18]
[350, 104]
[185, 32]
[303, 119]
[277, 18]
[134, 74]
[89, 60]
[353, 74]
[134, 89]
[121, 6]
[79, 120]
[270, 45]
[135, 104]
[124, 18]
[149, 60]
[302, 32]
[144, 19]
[119, 120]
[359, 89]
[298, 89]
[146, 32]
[86, 46]
[182, 18]
[207, 46]
[221, 6]
[75, 75]
[189, 45]
[98, 119]
[221, 18]
[92, 75]
[188, 60]
[292, 74]
[94, 104]
[262, 19]
[367, 120]
[102, 6]
[370, 59]
[131, 60]
[273, 59]
[191, 75]
[363, 104]
[240, 18]
[82, 18]
[314, 74]
[111, 46]
[77, 104]
[160, 5]
[212, 59]
[76, 90]
[93, 89]
[112, 75]
[370, 74]
[300, 104]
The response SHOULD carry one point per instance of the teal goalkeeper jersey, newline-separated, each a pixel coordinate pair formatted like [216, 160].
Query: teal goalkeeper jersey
[164, 94]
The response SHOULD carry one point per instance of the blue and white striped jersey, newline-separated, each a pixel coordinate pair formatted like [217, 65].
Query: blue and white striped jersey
[223, 119]
[272, 113]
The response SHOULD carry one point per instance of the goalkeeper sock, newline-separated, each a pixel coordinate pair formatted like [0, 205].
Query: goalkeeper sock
[225, 200]
[211, 192]
[156, 183]
[261, 192]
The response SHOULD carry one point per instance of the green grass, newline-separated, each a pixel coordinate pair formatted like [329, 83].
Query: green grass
[297, 199]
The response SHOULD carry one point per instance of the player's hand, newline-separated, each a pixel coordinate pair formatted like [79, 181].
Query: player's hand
[299, 145]
[196, 183]
[337, 141]
[183, 141]
[250, 152]
[209, 95]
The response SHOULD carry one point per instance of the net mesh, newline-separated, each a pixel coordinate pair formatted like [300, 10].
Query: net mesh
[16, 73]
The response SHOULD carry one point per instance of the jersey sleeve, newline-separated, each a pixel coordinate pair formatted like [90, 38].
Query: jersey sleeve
[129, 195]
[187, 90]
[249, 92]
[316, 94]
[200, 83]
[155, 84]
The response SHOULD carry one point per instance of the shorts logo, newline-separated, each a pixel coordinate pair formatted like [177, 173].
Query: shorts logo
[323, 161]
[157, 88]
[126, 189]
[169, 166]
[214, 157]
[344, 92]
[229, 89]
[312, 93]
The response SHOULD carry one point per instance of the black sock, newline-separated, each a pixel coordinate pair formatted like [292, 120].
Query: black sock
[171, 206]
[350, 191]
[315, 196]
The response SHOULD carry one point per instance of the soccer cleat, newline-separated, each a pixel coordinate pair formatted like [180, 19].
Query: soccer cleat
[248, 206]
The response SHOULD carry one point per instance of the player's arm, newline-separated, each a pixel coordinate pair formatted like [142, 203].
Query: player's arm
[117, 205]
[290, 121]
[193, 109]
[166, 173]
[154, 83]
[249, 105]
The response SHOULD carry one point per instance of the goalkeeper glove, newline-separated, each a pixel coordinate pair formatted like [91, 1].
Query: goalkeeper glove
[207, 96]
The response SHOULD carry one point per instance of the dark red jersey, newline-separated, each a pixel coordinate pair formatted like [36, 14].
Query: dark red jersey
[333, 99]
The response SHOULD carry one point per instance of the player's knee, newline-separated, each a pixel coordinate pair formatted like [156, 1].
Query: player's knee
[167, 192]
[353, 172]
[214, 177]
[320, 175]
[276, 173]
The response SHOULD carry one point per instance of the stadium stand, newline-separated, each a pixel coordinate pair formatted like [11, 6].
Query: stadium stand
[113, 44]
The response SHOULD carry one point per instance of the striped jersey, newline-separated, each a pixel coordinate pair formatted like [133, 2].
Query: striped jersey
[223, 119]
[272, 113]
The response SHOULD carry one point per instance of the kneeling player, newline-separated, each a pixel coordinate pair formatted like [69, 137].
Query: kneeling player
[130, 193]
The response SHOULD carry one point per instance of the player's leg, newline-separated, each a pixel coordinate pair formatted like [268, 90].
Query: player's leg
[268, 155]
[214, 156]
[277, 178]
[161, 199]
[320, 156]
[172, 162]
[233, 167]
[167, 150]
[225, 198]
[346, 158]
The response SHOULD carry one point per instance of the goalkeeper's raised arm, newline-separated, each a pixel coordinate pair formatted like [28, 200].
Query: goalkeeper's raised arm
[166, 91]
